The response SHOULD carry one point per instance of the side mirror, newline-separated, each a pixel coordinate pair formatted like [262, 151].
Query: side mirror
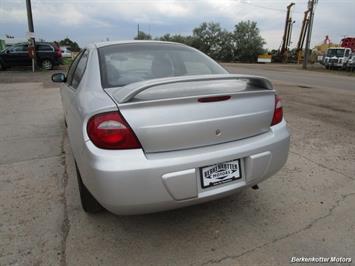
[7, 51]
[59, 77]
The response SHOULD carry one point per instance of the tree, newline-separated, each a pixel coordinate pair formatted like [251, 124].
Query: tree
[247, 41]
[166, 38]
[243, 44]
[74, 46]
[226, 52]
[209, 38]
[143, 36]
[188, 40]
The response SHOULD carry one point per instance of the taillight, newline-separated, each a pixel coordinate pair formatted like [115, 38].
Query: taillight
[278, 113]
[111, 131]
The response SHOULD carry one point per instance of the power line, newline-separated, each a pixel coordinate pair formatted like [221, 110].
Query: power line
[265, 7]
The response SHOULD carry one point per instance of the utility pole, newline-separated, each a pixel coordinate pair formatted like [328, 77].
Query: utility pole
[31, 31]
[311, 4]
[138, 32]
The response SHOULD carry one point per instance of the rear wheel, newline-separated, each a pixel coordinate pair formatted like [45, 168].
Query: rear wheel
[47, 64]
[88, 202]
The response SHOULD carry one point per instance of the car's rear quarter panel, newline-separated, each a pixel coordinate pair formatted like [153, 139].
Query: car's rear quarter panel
[82, 103]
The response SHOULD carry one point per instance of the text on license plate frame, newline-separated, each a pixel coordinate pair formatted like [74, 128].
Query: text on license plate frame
[204, 171]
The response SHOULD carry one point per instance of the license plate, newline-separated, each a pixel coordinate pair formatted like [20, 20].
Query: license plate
[220, 173]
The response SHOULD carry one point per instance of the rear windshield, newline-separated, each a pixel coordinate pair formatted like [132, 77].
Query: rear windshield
[123, 64]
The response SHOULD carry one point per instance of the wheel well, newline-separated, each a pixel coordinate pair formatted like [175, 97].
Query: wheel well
[46, 58]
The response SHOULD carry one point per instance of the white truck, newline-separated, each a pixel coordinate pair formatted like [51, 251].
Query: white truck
[337, 57]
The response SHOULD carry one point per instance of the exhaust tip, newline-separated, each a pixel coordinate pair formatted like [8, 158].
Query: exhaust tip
[255, 187]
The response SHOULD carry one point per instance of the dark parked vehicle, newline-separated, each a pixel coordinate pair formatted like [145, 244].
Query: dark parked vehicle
[48, 55]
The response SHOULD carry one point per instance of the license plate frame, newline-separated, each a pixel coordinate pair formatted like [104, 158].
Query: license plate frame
[220, 173]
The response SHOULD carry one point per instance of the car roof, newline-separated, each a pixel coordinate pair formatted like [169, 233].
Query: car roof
[103, 44]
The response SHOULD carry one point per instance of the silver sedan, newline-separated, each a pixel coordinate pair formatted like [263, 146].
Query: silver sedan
[156, 126]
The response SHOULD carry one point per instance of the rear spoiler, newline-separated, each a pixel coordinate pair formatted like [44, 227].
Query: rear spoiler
[128, 92]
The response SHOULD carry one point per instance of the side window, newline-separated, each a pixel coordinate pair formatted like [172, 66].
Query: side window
[347, 53]
[44, 47]
[80, 69]
[73, 67]
[18, 48]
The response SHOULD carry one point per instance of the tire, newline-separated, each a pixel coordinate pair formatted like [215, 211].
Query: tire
[88, 202]
[47, 64]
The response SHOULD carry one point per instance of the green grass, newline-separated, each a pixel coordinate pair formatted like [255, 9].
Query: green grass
[67, 61]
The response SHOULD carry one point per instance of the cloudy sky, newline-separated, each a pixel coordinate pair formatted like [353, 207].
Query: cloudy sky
[93, 20]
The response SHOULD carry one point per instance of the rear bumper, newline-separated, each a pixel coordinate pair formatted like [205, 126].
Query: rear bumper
[334, 64]
[131, 182]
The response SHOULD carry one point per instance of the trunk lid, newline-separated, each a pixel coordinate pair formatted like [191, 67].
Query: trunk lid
[168, 116]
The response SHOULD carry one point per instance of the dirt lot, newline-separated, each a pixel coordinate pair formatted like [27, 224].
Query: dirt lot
[307, 209]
